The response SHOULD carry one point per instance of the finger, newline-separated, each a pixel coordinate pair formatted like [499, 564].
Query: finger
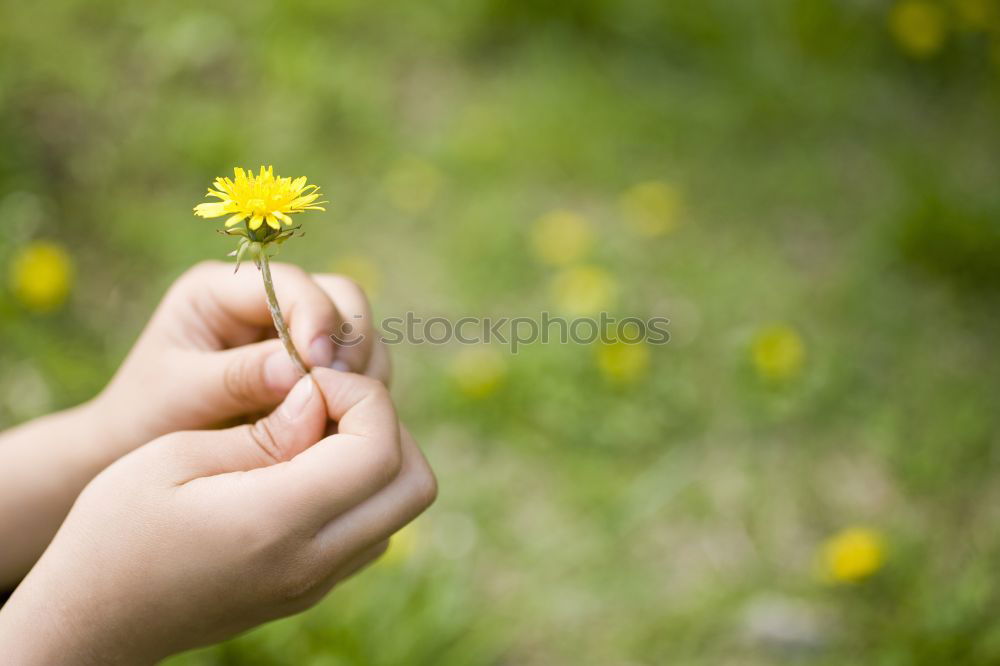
[380, 364]
[296, 424]
[243, 380]
[386, 512]
[339, 470]
[351, 566]
[232, 309]
[358, 562]
[355, 336]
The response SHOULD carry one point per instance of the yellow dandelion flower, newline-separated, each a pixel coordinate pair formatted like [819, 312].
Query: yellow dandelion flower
[412, 185]
[622, 363]
[651, 208]
[41, 276]
[478, 371]
[584, 290]
[919, 27]
[778, 353]
[253, 201]
[561, 237]
[851, 555]
[259, 199]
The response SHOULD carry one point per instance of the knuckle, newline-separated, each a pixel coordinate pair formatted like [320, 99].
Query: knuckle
[193, 279]
[378, 390]
[199, 272]
[347, 284]
[385, 463]
[296, 583]
[374, 388]
[360, 388]
[380, 550]
[346, 289]
[425, 488]
[264, 440]
[344, 282]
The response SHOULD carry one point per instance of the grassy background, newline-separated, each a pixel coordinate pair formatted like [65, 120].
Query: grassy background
[836, 163]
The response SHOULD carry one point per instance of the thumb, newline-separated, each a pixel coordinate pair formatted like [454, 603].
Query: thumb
[296, 424]
[248, 379]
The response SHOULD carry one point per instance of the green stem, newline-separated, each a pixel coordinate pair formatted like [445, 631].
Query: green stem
[279, 320]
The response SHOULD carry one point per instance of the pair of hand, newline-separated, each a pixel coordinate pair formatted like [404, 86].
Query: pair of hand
[201, 534]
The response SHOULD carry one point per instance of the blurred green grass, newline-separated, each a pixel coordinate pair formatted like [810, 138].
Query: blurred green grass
[831, 179]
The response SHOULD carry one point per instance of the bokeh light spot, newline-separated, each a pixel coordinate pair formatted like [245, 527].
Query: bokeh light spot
[852, 555]
[478, 371]
[778, 353]
[651, 208]
[41, 276]
[919, 27]
[584, 290]
[561, 237]
[622, 363]
[413, 184]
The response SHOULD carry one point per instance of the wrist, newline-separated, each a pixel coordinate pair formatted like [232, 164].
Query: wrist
[101, 437]
[47, 621]
[47, 462]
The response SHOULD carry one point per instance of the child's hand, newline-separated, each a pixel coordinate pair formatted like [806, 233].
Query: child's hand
[201, 535]
[202, 361]
[205, 360]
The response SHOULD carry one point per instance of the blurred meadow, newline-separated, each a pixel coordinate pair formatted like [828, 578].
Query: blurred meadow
[808, 473]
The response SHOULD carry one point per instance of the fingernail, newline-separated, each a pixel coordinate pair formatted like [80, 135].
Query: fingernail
[298, 398]
[321, 351]
[341, 366]
[279, 372]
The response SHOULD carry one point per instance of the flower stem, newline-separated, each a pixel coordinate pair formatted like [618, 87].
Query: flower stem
[279, 320]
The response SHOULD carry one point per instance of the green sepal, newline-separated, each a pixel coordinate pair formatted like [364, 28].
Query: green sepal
[240, 253]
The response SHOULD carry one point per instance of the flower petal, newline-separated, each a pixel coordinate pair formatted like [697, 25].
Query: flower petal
[236, 219]
[304, 201]
[213, 209]
[272, 222]
[256, 221]
[224, 185]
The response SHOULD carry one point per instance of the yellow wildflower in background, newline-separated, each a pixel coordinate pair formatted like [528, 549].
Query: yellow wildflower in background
[401, 546]
[622, 363]
[478, 371]
[41, 275]
[852, 555]
[561, 237]
[778, 353]
[413, 184]
[651, 208]
[977, 14]
[362, 270]
[261, 198]
[584, 290]
[919, 27]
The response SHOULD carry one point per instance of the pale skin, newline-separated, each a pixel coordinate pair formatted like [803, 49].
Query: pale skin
[156, 554]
